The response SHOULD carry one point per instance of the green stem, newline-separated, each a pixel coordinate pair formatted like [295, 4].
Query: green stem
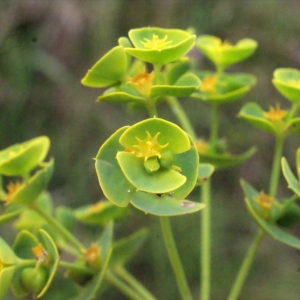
[175, 259]
[151, 108]
[121, 286]
[276, 166]
[22, 263]
[205, 256]
[214, 127]
[133, 282]
[244, 270]
[68, 236]
[75, 267]
[182, 117]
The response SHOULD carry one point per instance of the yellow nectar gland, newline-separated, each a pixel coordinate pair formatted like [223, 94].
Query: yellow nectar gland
[275, 114]
[149, 147]
[201, 146]
[265, 201]
[12, 188]
[92, 254]
[39, 253]
[208, 85]
[143, 82]
[156, 43]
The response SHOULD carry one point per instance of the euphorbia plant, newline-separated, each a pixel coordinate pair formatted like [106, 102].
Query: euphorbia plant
[152, 165]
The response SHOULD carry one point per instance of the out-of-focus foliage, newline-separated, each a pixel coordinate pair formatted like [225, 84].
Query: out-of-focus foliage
[45, 49]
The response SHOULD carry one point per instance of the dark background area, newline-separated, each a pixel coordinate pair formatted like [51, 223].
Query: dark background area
[47, 46]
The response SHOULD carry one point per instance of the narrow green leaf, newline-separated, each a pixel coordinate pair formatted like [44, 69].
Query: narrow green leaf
[90, 291]
[226, 160]
[292, 181]
[126, 248]
[270, 228]
[52, 251]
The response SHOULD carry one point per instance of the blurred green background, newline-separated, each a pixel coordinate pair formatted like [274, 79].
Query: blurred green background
[47, 46]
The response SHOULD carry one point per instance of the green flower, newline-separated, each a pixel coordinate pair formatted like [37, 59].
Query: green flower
[271, 215]
[275, 120]
[20, 159]
[223, 53]
[159, 46]
[223, 88]
[26, 192]
[149, 160]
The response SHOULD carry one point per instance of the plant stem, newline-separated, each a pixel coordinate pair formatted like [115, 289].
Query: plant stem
[75, 267]
[248, 260]
[68, 236]
[276, 166]
[214, 127]
[132, 281]
[151, 108]
[175, 259]
[244, 270]
[182, 117]
[205, 245]
[120, 285]
[205, 256]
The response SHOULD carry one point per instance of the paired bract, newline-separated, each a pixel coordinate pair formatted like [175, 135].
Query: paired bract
[152, 159]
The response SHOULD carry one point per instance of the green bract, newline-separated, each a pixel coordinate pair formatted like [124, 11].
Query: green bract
[268, 225]
[20, 159]
[109, 70]
[287, 82]
[7, 266]
[225, 160]
[139, 90]
[223, 54]
[159, 46]
[27, 192]
[292, 180]
[27, 246]
[153, 156]
[223, 88]
[98, 214]
[275, 120]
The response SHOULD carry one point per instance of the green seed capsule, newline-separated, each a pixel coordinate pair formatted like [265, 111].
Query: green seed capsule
[33, 279]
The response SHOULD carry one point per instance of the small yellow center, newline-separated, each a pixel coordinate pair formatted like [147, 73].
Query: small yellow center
[275, 114]
[12, 188]
[149, 147]
[201, 146]
[92, 253]
[265, 201]
[156, 43]
[39, 253]
[208, 85]
[143, 82]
